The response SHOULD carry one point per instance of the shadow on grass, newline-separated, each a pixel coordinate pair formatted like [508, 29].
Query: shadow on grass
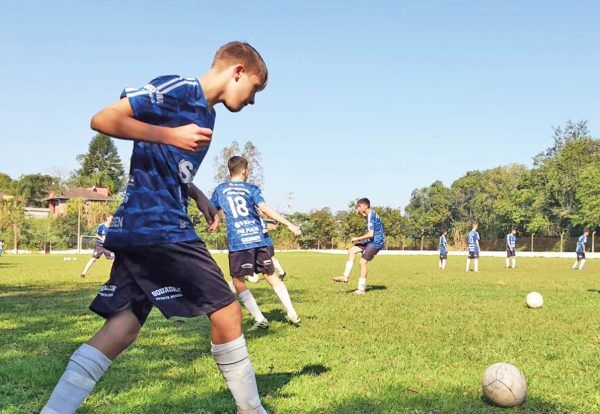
[594, 290]
[370, 288]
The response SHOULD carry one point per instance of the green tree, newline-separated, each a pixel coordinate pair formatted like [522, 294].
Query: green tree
[100, 166]
[429, 209]
[33, 189]
[588, 197]
[6, 184]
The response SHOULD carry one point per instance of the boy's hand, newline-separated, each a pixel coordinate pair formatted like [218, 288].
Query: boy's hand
[190, 137]
[295, 229]
[215, 224]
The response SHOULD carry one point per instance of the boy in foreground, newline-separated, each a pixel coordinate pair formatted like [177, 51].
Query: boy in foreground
[248, 249]
[170, 121]
[369, 244]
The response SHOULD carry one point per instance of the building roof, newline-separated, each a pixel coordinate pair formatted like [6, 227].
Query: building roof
[88, 194]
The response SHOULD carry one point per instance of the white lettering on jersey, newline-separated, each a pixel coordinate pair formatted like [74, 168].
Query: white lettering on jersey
[186, 171]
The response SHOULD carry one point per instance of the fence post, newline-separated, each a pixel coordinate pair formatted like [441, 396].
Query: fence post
[532, 234]
[422, 240]
[561, 241]
[593, 241]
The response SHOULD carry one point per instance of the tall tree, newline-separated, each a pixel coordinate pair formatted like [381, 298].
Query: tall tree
[250, 152]
[588, 196]
[33, 189]
[101, 165]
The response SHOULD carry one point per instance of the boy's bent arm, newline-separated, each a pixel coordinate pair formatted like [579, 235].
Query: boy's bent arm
[117, 120]
[203, 204]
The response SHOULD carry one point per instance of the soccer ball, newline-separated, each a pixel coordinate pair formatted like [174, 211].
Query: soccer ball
[504, 385]
[253, 279]
[534, 300]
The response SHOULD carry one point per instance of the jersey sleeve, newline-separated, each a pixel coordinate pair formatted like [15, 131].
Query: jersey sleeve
[257, 197]
[158, 99]
[214, 199]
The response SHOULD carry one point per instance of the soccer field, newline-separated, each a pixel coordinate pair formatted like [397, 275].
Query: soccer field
[418, 342]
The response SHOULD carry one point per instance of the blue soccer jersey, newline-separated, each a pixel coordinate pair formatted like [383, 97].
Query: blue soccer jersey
[101, 233]
[154, 208]
[472, 239]
[443, 243]
[511, 241]
[268, 239]
[581, 243]
[239, 200]
[375, 225]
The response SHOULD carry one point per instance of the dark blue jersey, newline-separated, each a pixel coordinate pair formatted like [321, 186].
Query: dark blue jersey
[472, 238]
[239, 201]
[101, 233]
[375, 225]
[443, 243]
[154, 208]
[581, 242]
[511, 241]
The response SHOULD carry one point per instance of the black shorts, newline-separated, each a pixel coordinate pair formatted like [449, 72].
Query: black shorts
[179, 279]
[580, 255]
[443, 256]
[510, 252]
[271, 250]
[368, 252]
[99, 250]
[473, 255]
[250, 261]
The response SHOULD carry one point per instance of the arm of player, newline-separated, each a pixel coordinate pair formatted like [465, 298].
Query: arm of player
[117, 121]
[278, 217]
[215, 223]
[208, 211]
[367, 235]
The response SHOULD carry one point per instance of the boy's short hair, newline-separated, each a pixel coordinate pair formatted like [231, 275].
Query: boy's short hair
[364, 201]
[237, 164]
[586, 230]
[241, 52]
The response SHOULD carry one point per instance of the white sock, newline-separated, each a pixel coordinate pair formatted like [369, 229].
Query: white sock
[284, 296]
[575, 264]
[440, 264]
[582, 263]
[88, 265]
[443, 264]
[362, 283]
[514, 262]
[507, 262]
[250, 304]
[278, 266]
[476, 264]
[348, 268]
[85, 368]
[234, 363]
[468, 264]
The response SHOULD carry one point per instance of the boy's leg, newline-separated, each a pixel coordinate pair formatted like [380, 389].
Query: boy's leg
[468, 263]
[87, 266]
[248, 299]
[443, 264]
[507, 262]
[575, 264]
[352, 252]
[362, 280]
[88, 363]
[284, 297]
[278, 267]
[582, 262]
[476, 264]
[440, 264]
[231, 356]
[514, 262]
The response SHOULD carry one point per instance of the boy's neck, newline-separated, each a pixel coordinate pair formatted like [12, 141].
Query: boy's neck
[237, 177]
[212, 87]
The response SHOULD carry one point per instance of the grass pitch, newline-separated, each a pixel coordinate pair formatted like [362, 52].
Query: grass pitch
[418, 342]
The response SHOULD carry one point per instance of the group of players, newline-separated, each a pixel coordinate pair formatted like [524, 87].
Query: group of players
[473, 249]
[159, 260]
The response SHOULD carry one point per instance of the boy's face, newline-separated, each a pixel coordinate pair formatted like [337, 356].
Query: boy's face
[586, 233]
[475, 226]
[240, 89]
[361, 209]
[514, 232]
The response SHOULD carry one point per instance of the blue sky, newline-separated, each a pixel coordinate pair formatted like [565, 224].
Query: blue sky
[365, 98]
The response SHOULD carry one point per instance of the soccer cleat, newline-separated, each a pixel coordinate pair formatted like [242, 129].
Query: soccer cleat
[293, 319]
[262, 324]
[281, 276]
[83, 275]
[342, 279]
[359, 292]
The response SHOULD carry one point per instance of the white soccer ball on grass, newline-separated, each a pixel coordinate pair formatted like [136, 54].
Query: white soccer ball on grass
[504, 385]
[534, 300]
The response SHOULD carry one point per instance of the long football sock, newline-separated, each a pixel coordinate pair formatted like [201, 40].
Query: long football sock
[440, 264]
[575, 264]
[443, 264]
[348, 268]
[514, 262]
[476, 264]
[582, 263]
[87, 266]
[468, 264]
[284, 296]
[507, 262]
[362, 284]
[278, 266]
[250, 304]
[85, 368]
[234, 363]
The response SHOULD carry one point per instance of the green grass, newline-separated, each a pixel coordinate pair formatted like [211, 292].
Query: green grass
[418, 342]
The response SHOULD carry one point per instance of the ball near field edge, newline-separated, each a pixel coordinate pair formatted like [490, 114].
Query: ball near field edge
[504, 385]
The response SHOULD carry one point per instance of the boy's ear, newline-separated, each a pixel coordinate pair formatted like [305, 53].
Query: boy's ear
[237, 71]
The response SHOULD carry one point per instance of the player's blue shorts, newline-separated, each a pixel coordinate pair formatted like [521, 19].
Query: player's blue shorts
[473, 254]
[510, 252]
[444, 256]
[580, 255]
[250, 261]
[180, 279]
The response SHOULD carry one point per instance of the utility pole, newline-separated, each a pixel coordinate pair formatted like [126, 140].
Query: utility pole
[289, 205]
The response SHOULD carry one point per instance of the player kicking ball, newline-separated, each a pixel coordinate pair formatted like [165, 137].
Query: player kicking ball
[99, 249]
[268, 225]
[443, 250]
[580, 250]
[248, 249]
[159, 259]
[369, 244]
[473, 246]
[511, 248]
